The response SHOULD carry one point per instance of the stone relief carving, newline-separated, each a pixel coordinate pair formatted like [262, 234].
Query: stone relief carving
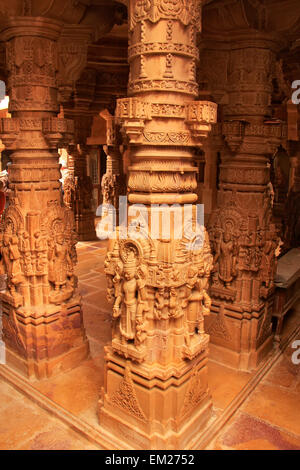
[126, 399]
[142, 290]
[241, 241]
[46, 250]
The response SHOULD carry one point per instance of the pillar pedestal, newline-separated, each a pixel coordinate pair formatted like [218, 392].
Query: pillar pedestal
[155, 408]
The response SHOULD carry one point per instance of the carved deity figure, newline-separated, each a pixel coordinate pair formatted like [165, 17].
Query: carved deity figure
[197, 300]
[175, 310]
[126, 299]
[60, 266]
[159, 304]
[131, 299]
[69, 192]
[107, 187]
[24, 247]
[5, 254]
[16, 275]
[268, 263]
[40, 246]
[226, 257]
[142, 306]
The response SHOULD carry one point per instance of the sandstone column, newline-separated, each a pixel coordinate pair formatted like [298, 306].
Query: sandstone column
[156, 393]
[80, 183]
[242, 235]
[42, 318]
[291, 230]
[113, 183]
[76, 92]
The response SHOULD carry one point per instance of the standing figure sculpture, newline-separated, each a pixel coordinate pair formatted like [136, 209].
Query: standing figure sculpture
[197, 301]
[131, 299]
[125, 305]
[226, 257]
[60, 262]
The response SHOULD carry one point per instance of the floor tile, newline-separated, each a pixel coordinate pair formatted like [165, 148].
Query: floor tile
[275, 406]
[249, 433]
[225, 383]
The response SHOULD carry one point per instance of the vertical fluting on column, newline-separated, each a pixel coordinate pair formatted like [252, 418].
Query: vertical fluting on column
[42, 318]
[242, 235]
[156, 393]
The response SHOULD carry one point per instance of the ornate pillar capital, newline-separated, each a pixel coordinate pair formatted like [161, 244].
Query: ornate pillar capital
[23, 26]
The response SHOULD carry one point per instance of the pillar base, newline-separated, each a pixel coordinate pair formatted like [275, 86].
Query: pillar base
[154, 407]
[239, 342]
[49, 367]
[44, 341]
[240, 361]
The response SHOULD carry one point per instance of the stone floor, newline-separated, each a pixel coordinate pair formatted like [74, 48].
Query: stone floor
[268, 419]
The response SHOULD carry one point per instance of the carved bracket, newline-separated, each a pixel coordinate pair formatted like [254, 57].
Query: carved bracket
[200, 116]
[72, 53]
[58, 131]
[236, 133]
[133, 112]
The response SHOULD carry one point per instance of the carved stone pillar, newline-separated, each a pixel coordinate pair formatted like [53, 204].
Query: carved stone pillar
[242, 235]
[113, 184]
[78, 188]
[291, 231]
[80, 184]
[156, 393]
[42, 318]
[212, 149]
[72, 54]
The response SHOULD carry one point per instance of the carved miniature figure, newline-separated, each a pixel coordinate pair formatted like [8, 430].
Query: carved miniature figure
[197, 300]
[126, 301]
[142, 306]
[25, 249]
[160, 304]
[268, 263]
[16, 275]
[61, 265]
[107, 188]
[226, 257]
[40, 246]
